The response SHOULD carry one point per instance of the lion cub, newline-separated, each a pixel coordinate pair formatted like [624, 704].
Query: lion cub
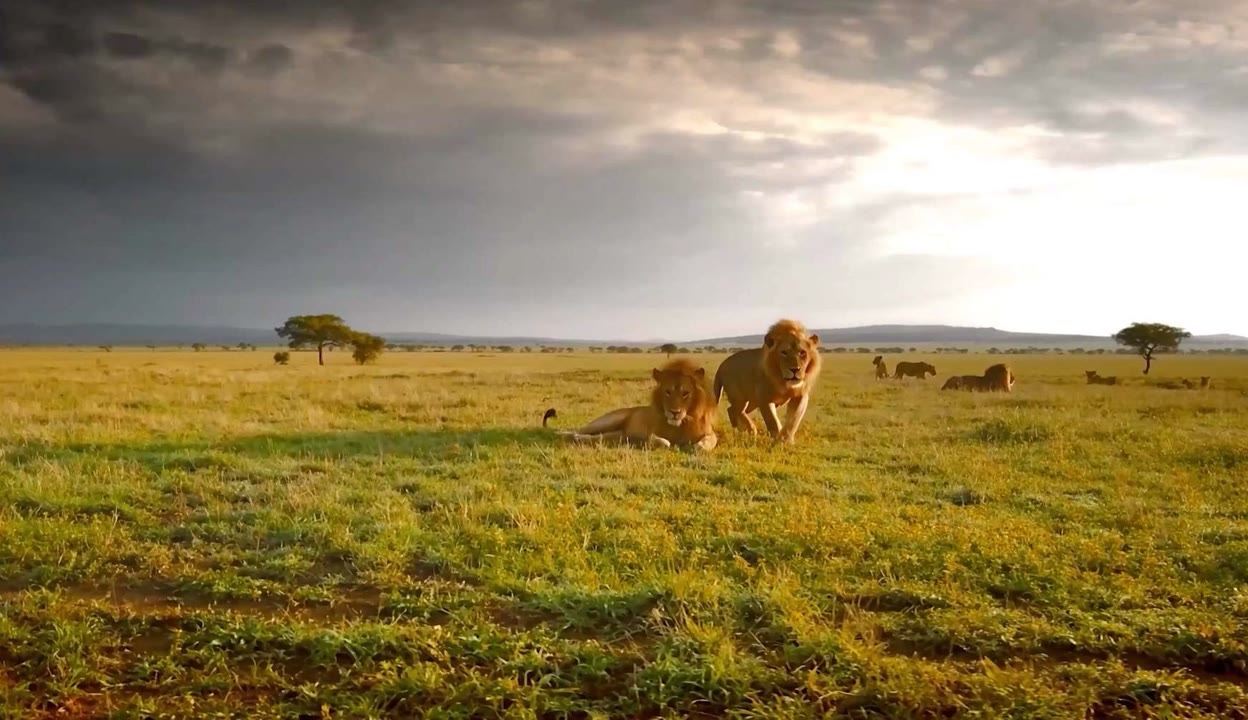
[783, 371]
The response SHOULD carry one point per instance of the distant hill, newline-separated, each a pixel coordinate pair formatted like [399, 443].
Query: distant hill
[419, 338]
[951, 335]
[90, 334]
[924, 334]
[1221, 337]
[123, 335]
[132, 335]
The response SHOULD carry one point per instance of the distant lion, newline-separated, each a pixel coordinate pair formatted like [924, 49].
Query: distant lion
[918, 370]
[782, 372]
[881, 370]
[997, 378]
[1205, 382]
[681, 412]
[1094, 379]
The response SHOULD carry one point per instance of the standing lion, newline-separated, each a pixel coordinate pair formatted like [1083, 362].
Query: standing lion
[918, 370]
[782, 372]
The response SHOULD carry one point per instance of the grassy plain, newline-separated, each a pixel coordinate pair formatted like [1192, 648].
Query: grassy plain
[208, 535]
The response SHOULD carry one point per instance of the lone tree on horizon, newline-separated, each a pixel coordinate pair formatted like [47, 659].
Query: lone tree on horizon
[1148, 338]
[668, 348]
[319, 331]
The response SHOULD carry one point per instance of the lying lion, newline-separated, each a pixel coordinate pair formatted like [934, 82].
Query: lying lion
[783, 371]
[1182, 383]
[1095, 379]
[996, 378]
[681, 412]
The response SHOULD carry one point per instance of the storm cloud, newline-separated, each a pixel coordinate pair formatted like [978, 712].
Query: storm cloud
[584, 168]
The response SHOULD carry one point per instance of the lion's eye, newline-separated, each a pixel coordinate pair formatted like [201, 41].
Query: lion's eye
[685, 395]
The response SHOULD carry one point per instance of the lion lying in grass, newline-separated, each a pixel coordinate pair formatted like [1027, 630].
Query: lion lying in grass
[997, 378]
[681, 412]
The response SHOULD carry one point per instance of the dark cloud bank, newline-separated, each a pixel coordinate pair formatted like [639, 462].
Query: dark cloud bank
[495, 166]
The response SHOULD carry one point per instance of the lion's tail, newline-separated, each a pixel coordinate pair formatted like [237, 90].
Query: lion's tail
[550, 413]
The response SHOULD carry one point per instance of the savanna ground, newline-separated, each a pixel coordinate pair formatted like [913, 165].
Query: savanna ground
[208, 535]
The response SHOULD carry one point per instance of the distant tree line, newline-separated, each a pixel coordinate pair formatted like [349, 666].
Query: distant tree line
[547, 349]
[324, 333]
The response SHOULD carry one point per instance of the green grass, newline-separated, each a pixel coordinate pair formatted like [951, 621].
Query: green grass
[207, 535]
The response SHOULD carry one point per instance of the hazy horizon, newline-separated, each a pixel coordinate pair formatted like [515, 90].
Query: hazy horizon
[403, 334]
[644, 170]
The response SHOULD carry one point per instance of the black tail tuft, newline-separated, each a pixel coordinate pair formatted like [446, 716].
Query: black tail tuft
[548, 415]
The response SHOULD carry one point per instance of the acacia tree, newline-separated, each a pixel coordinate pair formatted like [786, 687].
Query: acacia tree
[1148, 338]
[668, 348]
[319, 331]
[365, 348]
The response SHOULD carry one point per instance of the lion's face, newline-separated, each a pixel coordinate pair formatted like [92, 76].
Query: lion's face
[678, 394]
[930, 368]
[791, 355]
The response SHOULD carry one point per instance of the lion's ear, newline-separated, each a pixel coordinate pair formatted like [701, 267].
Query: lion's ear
[699, 373]
[657, 374]
[814, 341]
[769, 341]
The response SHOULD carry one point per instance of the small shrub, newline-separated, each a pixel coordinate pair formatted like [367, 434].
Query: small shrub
[366, 348]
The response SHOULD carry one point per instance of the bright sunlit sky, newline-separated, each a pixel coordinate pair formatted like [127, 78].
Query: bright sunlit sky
[608, 169]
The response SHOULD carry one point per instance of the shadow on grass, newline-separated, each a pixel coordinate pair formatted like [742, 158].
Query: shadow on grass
[192, 455]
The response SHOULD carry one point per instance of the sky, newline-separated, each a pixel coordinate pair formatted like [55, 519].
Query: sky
[640, 169]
